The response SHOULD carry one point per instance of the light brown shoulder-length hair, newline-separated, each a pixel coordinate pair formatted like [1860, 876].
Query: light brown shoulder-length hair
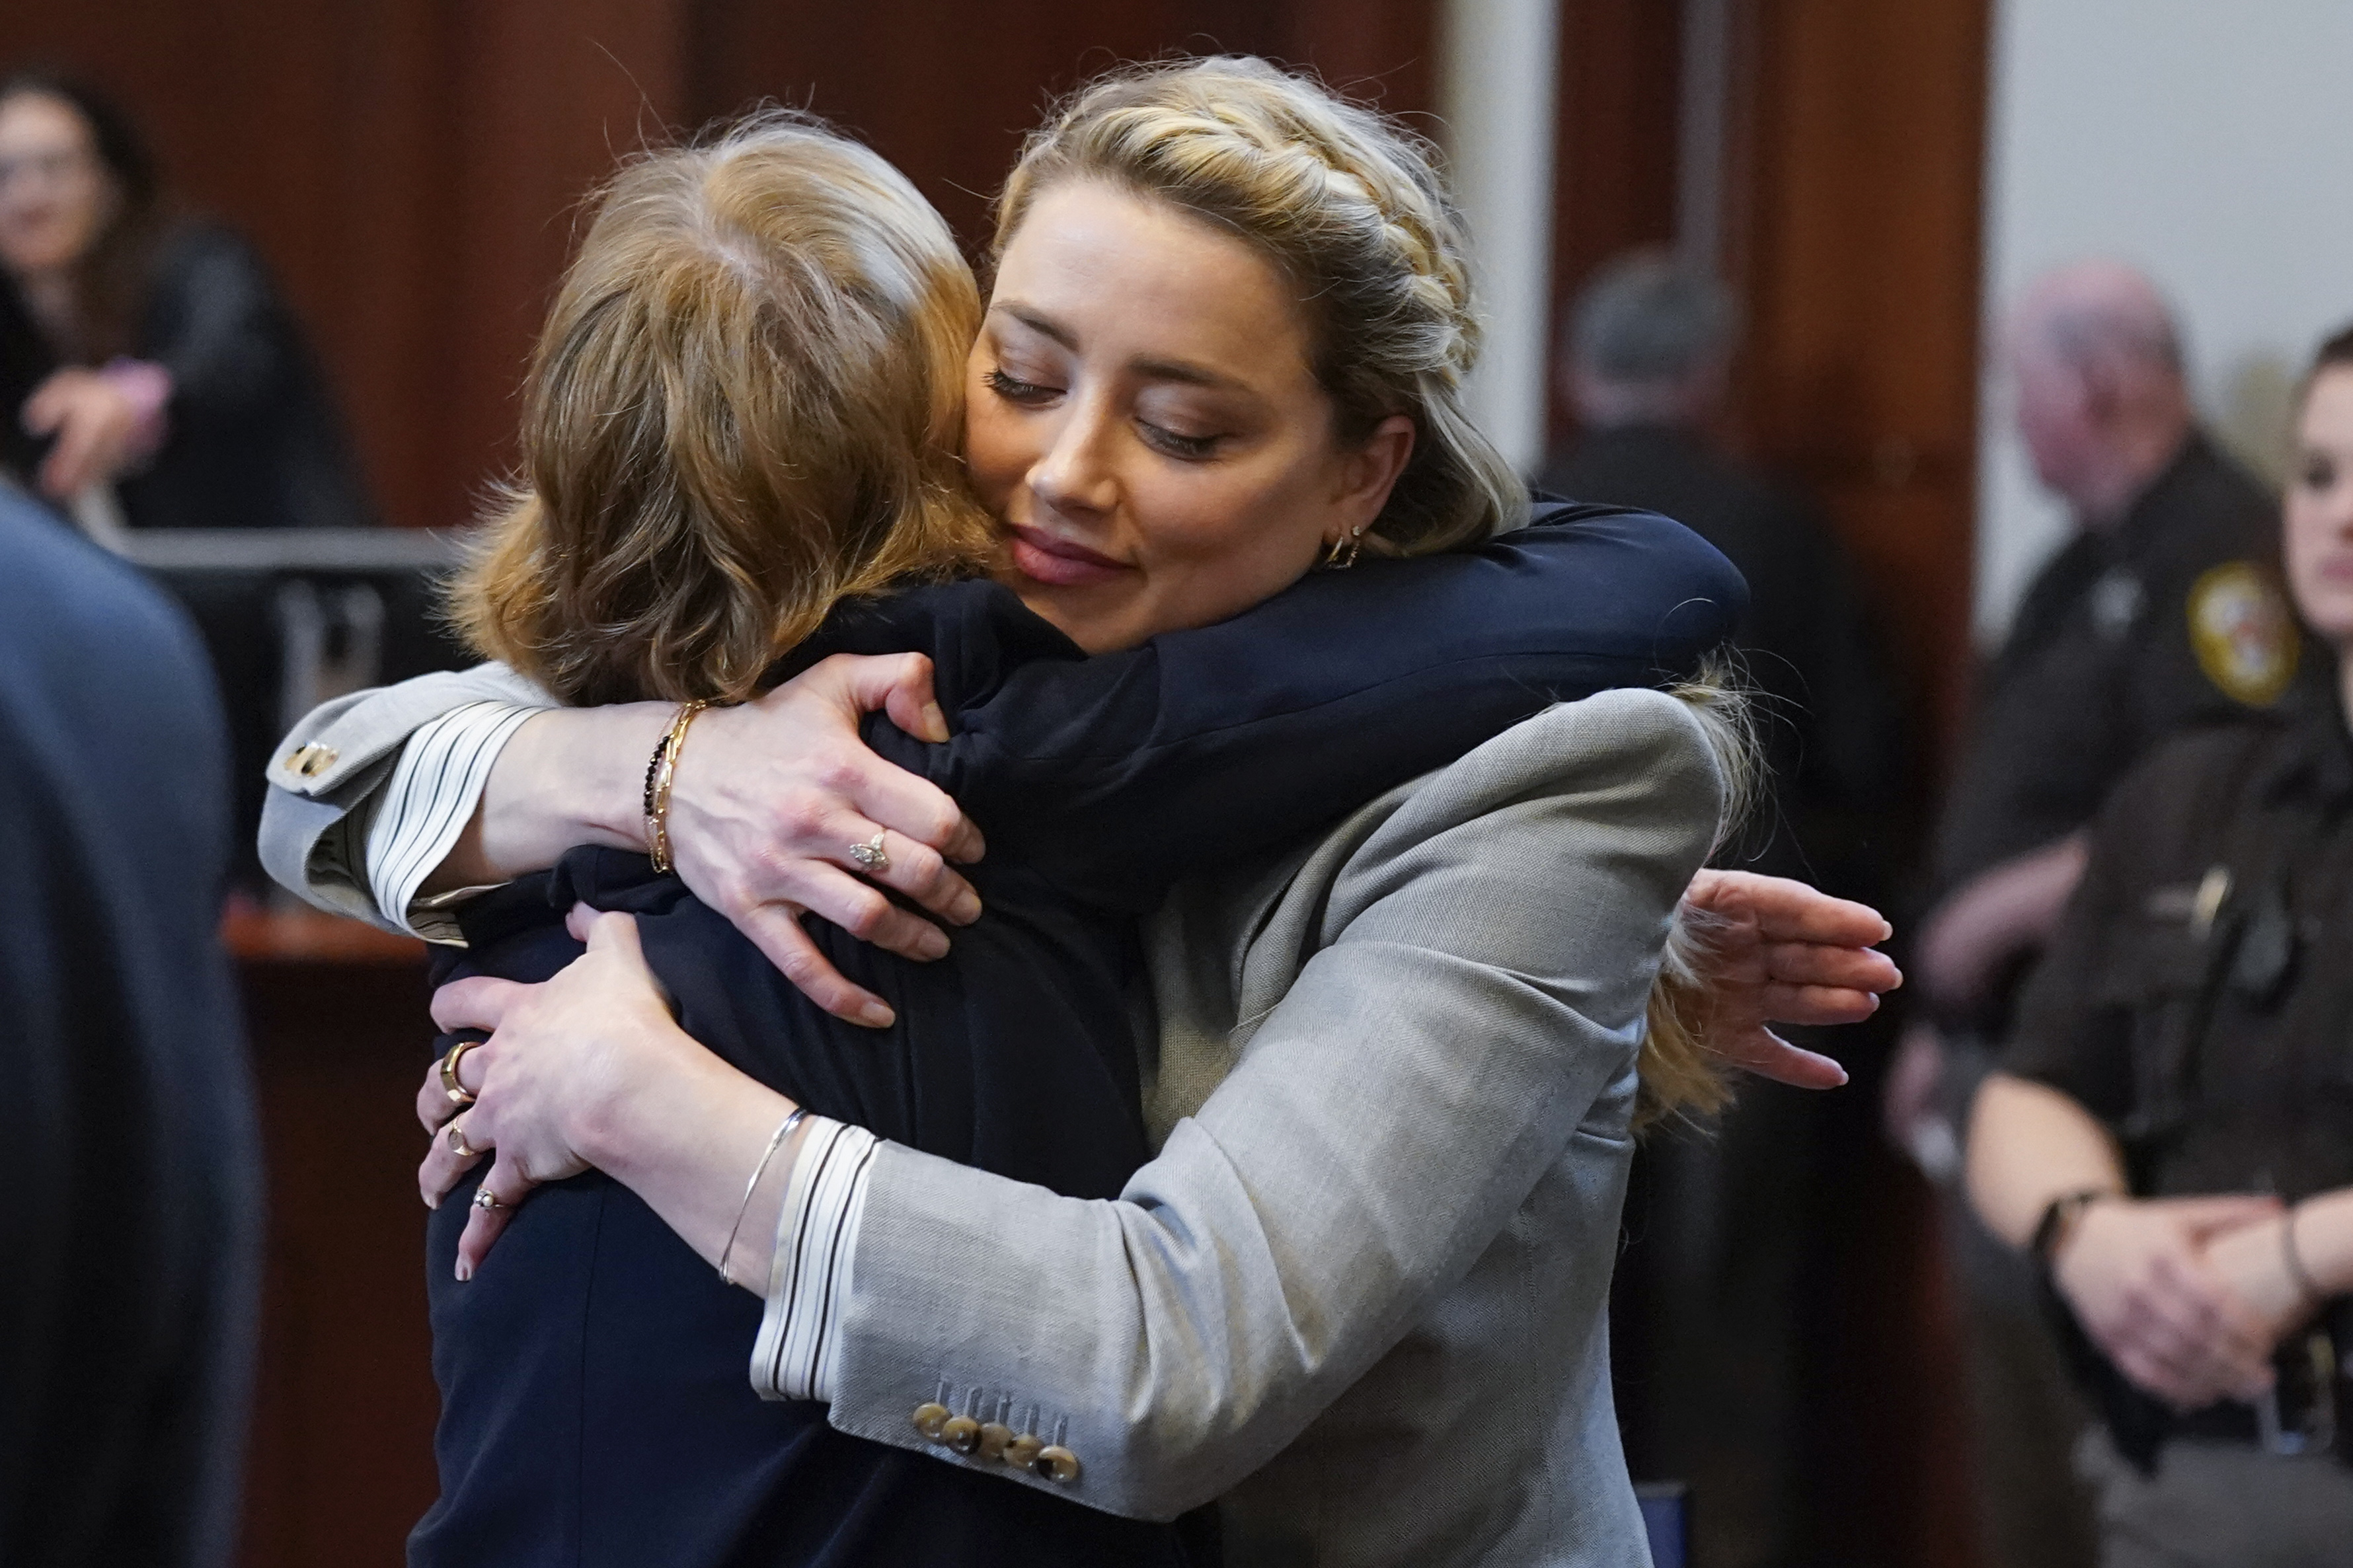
[744, 408]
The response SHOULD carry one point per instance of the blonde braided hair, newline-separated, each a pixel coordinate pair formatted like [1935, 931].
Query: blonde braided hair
[1352, 208]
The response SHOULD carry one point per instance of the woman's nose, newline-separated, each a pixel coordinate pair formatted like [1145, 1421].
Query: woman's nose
[1076, 474]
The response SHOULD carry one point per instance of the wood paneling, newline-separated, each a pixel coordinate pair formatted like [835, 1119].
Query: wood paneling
[946, 88]
[1852, 226]
[1615, 145]
[405, 165]
[410, 167]
[341, 1464]
[1856, 169]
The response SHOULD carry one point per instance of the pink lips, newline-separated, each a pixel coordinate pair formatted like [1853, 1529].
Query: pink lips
[1042, 557]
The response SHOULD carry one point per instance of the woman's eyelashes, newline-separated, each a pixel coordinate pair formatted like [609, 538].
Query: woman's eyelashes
[1190, 448]
[1013, 389]
[1025, 393]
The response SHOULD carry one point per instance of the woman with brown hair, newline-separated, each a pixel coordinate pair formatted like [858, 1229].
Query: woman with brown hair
[1229, 322]
[143, 350]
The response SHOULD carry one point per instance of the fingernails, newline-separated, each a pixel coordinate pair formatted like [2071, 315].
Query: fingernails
[931, 944]
[877, 1015]
[965, 908]
[432, 1201]
[936, 723]
[465, 1271]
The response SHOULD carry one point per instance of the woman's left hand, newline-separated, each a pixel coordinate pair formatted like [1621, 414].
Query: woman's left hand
[1783, 953]
[561, 1056]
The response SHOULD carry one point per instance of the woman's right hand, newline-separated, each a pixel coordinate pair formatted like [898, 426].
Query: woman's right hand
[769, 798]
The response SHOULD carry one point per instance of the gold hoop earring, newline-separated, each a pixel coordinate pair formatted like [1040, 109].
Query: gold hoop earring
[1341, 554]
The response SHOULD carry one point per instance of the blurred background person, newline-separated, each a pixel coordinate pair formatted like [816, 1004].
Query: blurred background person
[2183, 1045]
[2162, 609]
[1710, 1326]
[132, 1231]
[146, 352]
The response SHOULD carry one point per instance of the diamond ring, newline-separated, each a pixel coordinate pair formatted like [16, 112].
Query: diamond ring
[871, 856]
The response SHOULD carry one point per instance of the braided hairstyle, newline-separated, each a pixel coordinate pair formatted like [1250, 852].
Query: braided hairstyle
[1350, 208]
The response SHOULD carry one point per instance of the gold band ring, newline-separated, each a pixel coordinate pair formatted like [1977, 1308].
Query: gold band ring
[458, 1144]
[486, 1199]
[451, 1085]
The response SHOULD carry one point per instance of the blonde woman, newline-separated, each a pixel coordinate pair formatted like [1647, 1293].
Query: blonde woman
[1229, 320]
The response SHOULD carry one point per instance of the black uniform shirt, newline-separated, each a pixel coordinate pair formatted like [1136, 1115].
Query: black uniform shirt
[1832, 725]
[2128, 634]
[2198, 997]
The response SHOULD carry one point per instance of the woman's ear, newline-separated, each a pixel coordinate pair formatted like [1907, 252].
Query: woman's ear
[1369, 473]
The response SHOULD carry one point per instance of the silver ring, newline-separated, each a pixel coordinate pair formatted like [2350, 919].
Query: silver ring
[458, 1144]
[871, 856]
[486, 1199]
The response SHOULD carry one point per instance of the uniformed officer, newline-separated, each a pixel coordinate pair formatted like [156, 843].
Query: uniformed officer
[1729, 1239]
[2171, 1134]
[2162, 610]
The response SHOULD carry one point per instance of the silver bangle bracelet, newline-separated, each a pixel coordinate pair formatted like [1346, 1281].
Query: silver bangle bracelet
[776, 1141]
[2297, 1274]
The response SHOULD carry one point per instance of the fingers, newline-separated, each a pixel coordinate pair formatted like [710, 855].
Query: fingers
[76, 458]
[1766, 1054]
[1845, 968]
[1816, 1006]
[455, 1150]
[478, 1003]
[910, 867]
[909, 701]
[506, 1187]
[777, 931]
[2203, 1218]
[611, 932]
[2192, 1341]
[52, 400]
[1792, 911]
[892, 796]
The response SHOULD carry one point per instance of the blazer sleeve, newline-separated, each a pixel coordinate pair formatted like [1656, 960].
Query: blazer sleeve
[1491, 947]
[314, 823]
[1119, 775]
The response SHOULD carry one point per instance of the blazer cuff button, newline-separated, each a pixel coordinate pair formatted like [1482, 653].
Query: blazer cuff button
[995, 1436]
[1023, 1451]
[1058, 1464]
[961, 1433]
[929, 1419]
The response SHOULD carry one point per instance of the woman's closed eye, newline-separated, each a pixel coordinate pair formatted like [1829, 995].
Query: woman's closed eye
[1187, 449]
[1013, 389]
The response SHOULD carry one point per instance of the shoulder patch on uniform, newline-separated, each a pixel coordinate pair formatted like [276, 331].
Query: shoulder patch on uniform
[2243, 633]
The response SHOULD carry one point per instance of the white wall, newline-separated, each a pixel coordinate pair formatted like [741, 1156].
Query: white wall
[2208, 141]
[1498, 65]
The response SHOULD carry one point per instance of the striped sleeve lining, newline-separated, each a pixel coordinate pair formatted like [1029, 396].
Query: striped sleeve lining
[426, 804]
[798, 1352]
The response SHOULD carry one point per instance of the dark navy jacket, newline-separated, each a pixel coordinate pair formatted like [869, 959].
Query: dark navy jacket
[130, 1242]
[596, 1406]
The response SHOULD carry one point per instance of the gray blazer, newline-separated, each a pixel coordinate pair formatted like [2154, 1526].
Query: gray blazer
[1361, 1293]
